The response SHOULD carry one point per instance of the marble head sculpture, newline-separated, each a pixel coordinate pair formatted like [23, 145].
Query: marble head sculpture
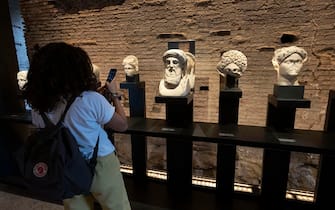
[178, 73]
[130, 65]
[288, 62]
[233, 63]
[96, 71]
[22, 79]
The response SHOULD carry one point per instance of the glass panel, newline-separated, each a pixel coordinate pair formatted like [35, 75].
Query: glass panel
[302, 176]
[248, 169]
[122, 144]
[156, 157]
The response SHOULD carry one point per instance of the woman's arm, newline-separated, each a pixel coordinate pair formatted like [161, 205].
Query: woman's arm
[119, 119]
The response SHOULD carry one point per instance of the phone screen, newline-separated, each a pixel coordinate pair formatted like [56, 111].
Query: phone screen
[111, 75]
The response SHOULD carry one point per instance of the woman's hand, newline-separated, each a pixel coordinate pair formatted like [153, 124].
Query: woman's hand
[112, 87]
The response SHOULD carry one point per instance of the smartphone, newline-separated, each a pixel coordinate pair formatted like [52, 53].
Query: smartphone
[111, 75]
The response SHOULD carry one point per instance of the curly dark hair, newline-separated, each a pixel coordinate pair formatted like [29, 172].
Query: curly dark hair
[58, 70]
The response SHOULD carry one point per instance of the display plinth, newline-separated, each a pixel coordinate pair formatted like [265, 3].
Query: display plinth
[136, 91]
[280, 117]
[179, 113]
[226, 153]
[135, 78]
[174, 99]
[229, 105]
[326, 173]
[288, 92]
[281, 112]
[231, 82]
[179, 109]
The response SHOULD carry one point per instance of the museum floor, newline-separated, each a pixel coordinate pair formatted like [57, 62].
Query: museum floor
[9, 201]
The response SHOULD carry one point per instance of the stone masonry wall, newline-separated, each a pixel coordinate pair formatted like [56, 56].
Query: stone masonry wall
[111, 30]
[255, 27]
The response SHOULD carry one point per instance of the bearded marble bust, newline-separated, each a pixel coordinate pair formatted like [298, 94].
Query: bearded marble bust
[288, 62]
[178, 73]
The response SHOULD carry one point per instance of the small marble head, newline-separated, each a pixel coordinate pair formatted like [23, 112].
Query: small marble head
[233, 63]
[96, 72]
[130, 65]
[288, 62]
[22, 79]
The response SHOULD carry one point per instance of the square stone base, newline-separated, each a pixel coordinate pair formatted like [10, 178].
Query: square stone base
[288, 92]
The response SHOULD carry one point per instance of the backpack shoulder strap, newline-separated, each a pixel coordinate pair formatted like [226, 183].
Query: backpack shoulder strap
[47, 121]
[68, 104]
[93, 160]
[96, 148]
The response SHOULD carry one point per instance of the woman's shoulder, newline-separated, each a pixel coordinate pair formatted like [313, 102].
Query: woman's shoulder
[91, 94]
[92, 97]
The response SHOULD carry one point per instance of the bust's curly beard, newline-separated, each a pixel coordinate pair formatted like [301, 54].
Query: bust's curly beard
[172, 79]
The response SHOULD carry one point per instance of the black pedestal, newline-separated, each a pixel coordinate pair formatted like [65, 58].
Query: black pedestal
[179, 113]
[288, 92]
[281, 112]
[229, 105]
[179, 109]
[230, 82]
[136, 91]
[134, 79]
[280, 117]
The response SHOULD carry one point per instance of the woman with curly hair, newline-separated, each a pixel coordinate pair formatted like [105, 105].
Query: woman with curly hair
[60, 73]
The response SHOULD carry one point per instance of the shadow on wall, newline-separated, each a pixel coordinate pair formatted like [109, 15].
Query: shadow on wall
[73, 6]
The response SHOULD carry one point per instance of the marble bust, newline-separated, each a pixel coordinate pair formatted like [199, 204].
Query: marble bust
[96, 72]
[232, 63]
[178, 73]
[288, 62]
[22, 79]
[130, 65]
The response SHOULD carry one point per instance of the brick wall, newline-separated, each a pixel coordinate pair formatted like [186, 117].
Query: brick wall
[255, 27]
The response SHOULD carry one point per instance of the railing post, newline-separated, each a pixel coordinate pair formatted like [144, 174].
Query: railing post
[325, 180]
[226, 153]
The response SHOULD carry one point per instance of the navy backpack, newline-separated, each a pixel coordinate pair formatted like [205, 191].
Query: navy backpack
[52, 165]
